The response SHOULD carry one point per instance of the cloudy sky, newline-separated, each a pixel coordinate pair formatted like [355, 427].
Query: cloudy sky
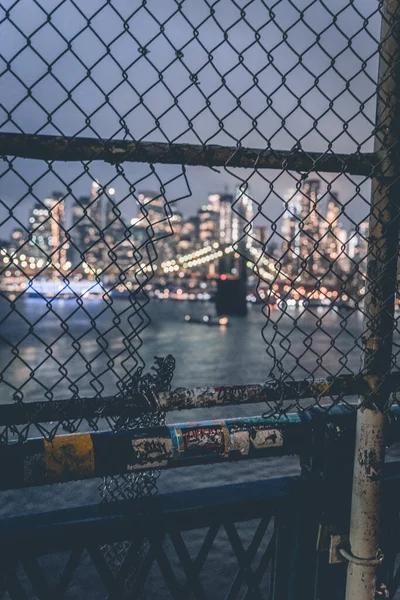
[167, 72]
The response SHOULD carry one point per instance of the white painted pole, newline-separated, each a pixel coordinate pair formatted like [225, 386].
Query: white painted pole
[364, 555]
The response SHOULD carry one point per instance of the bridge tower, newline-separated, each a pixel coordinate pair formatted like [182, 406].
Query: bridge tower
[232, 287]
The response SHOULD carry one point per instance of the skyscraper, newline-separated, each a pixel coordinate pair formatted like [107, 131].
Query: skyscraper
[290, 232]
[330, 228]
[189, 234]
[87, 221]
[214, 202]
[309, 198]
[208, 224]
[301, 231]
[357, 247]
[261, 234]
[225, 219]
[47, 231]
[242, 217]
[333, 238]
[152, 207]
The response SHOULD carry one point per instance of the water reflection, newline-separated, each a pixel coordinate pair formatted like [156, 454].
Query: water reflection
[67, 349]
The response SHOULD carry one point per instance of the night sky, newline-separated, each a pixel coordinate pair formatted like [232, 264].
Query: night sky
[209, 54]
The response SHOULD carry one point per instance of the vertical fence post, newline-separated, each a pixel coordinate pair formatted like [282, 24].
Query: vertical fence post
[364, 556]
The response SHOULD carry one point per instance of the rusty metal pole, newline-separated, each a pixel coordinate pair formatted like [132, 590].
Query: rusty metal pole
[364, 555]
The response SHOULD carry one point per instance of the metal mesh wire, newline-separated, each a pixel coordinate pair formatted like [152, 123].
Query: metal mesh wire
[275, 99]
[189, 83]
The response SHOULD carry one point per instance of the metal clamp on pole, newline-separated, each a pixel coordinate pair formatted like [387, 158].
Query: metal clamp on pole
[364, 562]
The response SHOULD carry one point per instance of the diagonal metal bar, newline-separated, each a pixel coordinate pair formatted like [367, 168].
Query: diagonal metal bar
[46, 147]
[263, 564]
[132, 555]
[395, 582]
[193, 584]
[156, 543]
[12, 583]
[203, 553]
[250, 552]
[144, 569]
[243, 561]
[68, 572]
[37, 578]
[110, 582]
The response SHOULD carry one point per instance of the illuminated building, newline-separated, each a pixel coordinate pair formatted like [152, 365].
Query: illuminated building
[18, 239]
[225, 219]
[234, 222]
[308, 198]
[333, 239]
[96, 228]
[181, 241]
[331, 226]
[190, 232]
[177, 224]
[261, 234]
[357, 247]
[214, 202]
[82, 230]
[208, 224]
[88, 220]
[313, 242]
[47, 239]
[157, 218]
[242, 216]
[139, 232]
[114, 226]
[152, 207]
[291, 232]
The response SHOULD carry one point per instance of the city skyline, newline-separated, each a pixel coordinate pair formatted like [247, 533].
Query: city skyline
[97, 243]
[125, 97]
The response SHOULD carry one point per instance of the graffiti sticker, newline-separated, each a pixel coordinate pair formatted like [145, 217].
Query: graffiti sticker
[204, 440]
[263, 437]
[151, 452]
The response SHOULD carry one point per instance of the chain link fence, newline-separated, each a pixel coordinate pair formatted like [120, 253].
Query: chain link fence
[154, 91]
[154, 152]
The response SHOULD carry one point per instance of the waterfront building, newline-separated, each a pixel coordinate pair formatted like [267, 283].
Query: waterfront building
[260, 233]
[242, 217]
[225, 219]
[208, 224]
[47, 226]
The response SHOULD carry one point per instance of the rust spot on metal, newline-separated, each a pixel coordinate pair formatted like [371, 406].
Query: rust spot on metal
[372, 381]
[47, 147]
[69, 456]
[320, 388]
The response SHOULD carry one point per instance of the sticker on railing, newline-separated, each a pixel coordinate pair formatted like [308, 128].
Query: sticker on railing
[263, 437]
[153, 452]
[204, 440]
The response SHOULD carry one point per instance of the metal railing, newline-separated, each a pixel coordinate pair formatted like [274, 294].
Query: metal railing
[246, 88]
